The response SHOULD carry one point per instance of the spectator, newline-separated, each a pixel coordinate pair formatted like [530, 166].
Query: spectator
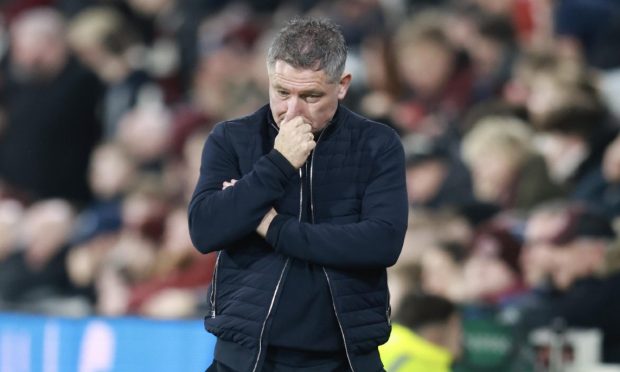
[491, 273]
[179, 274]
[435, 178]
[493, 50]
[565, 246]
[144, 133]
[589, 29]
[438, 84]
[224, 83]
[426, 336]
[575, 131]
[505, 168]
[104, 41]
[381, 87]
[50, 103]
[428, 228]
[442, 272]
[111, 174]
[169, 29]
[34, 276]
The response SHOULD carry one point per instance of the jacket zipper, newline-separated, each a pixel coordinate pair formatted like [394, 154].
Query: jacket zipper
[273, 298]
[275, 292]
[329, 283]
[344, 340]
[214, 285]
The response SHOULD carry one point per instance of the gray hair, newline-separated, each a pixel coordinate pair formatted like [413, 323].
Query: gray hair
[310, 43]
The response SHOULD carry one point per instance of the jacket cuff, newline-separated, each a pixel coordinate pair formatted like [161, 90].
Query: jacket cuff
[280, 161]
[273, 232]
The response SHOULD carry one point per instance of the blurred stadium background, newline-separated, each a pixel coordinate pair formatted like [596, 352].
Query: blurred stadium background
[507, 111]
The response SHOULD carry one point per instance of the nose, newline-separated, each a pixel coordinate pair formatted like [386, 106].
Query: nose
[294, 108]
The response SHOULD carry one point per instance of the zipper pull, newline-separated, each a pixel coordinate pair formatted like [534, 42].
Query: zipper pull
[213, 313]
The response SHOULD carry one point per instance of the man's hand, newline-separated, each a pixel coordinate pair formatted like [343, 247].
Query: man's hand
[227, 184]
[264, 224]
[295, 141]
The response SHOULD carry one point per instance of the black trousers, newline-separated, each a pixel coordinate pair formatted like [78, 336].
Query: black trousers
[270, 366]
[218, 367]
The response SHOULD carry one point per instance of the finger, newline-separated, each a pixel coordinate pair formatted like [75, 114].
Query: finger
[294, 122]
[305, 127]
[305, 137]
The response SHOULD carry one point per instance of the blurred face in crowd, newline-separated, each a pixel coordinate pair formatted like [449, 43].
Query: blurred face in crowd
[45, 229]
[306, 93]
[110, 172]
[492, 173]
[562, 263]
[486, 275]
[145, 132]
[426, 66]
[38, 48]
[486, 54]
[537, 256]
[176, 237]
[441, 274]
[545, 95]
[543, 226]
[424, 180]
[563, 153]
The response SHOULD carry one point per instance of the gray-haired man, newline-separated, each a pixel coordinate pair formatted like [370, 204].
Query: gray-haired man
[305, 202]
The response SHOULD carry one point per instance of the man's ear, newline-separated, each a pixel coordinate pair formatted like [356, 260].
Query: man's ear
[343, 85]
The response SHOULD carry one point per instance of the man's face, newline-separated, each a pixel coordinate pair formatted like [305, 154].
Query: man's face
[425, 67]
[38, 51]
[424, 180]
[304, 92]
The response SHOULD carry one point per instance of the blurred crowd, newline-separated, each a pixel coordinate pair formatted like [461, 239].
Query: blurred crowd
[506, 108]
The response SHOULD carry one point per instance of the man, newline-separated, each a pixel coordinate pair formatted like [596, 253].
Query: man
[306, 203]
[426, 338]
[569, 262]
[50, 104]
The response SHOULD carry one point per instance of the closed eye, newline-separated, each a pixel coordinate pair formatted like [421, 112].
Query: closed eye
[313, 97]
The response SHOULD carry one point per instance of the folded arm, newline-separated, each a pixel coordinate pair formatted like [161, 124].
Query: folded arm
[218, 217]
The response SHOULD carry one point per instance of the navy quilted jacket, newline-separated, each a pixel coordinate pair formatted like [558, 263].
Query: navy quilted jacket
[359, 218]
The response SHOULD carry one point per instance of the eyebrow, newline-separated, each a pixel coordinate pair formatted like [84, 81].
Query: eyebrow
[301, 93]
